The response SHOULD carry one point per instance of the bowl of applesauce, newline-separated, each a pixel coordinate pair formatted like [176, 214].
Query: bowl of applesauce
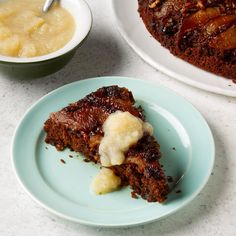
[35, 43]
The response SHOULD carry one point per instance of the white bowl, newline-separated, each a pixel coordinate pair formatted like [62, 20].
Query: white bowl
[82, 15]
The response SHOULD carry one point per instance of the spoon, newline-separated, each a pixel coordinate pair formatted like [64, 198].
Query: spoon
[47, 5]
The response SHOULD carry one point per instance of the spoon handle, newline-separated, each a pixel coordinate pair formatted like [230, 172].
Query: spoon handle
[47, 5]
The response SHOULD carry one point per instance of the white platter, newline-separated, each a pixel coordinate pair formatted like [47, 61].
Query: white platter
[134, 32]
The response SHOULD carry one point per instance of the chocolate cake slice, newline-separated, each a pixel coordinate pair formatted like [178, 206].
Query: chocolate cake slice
[201, 32]
[79, 127]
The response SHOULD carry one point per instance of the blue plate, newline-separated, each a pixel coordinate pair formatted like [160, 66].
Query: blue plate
[63, 188]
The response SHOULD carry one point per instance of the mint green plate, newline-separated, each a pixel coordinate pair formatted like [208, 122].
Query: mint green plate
[186, 143]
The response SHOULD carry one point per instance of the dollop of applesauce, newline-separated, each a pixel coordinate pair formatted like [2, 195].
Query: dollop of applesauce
[121, 131]
[105, 181]
[27, 32]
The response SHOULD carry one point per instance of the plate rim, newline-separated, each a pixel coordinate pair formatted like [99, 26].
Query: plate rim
[94, 224]
[146, 58]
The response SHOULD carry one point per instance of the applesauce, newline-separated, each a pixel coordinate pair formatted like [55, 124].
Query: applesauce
[27, 32]
[121, 131]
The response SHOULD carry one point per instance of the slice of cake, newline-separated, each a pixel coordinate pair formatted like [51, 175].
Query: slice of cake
[107, 128]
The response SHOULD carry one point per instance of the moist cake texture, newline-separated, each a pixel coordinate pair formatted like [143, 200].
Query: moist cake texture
[202, 32]
[79, 127]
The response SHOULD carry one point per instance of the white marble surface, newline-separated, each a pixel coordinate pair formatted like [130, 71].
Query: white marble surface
[213, 212]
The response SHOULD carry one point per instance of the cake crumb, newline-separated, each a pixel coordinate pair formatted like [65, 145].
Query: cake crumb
[170, 179]
[46, 148]
[86, 160]
[62, 161]
[178, 191]
[134, 195]
[70, 156]
[174, 148]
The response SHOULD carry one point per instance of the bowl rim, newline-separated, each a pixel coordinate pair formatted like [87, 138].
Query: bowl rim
[58, 53]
